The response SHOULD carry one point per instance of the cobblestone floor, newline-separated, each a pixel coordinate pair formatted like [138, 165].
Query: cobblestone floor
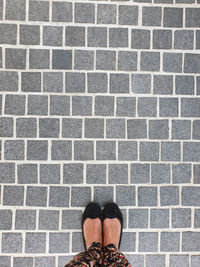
[99, 100]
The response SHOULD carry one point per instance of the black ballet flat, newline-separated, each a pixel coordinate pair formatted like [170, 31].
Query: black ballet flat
[92, 211]
[111, 211]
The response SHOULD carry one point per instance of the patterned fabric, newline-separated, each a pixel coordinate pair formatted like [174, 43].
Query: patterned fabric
[97, 256]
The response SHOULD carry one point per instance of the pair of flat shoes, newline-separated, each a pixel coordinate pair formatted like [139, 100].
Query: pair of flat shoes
[111, 210]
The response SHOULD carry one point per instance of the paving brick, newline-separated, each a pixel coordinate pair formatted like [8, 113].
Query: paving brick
[125, 196]
[75, 82]
[106, 14]
[49, 173]
[169, 242]
[148, 242]
[29, 34]
[128, 15]
[126, 106]
[59, 105]
[6, 260]
[37, 149]
[147, 196]
[170, 151]
[181, 129]
[26, 127]
[184, 85]
[74, 35]
[97, 37]
[128, 242]
[59, 196]
[118, 37]
[61, 150]
[137, 128]
[181, 218]
[7, 172]
[52, 35]
[181, 173]
[118, 173]
[15, 104]
[183, 39]
[15, 58]
[173, 17]
[80, 196]
[72, 128]
[94, 128]
[190, 196]
[159, 218]
[97, 82]
[195, 260]
[104, 105]
[115, 128]
[1, 104]
[15, 10]
[71, 219]
[191, 151]
[150, 61]
[172, 62]
[35, 242]
[36, 196]
[37, 105]
[190, 107]
[155, 260]
[1, 9]
[49, 127]
[197, 39]
[77, 242]
[138, 218]
[38, 58]
[168, 107]
[127, 61]
[5, 219]
[102, 194]
[158, 129]
[52, 82]
[48, 220]
[197, 218]
[105, 60]
[83, 60]
[196, 128]
[39, 11]
[163, 84]
[31, 81]
[151, 16]
[23, 262]
[82, 105]
[179, 260]
[11, 243]
[6, 127]
[162, 39]
[192, 63]
[84, 12]
[14, 149]
[147, 106]
[140, 173]
[196, 173]
[8, 34]
[27, 173]
[192, 17]
[73, 173]
[149, 151]
[83, 150]
[160, 173]
[62, 11]
[45, 261]
[141, 83]
[62, 59]
[191, 241]
[96, 173]
[25, 220]
[140, 39]
[127, 150]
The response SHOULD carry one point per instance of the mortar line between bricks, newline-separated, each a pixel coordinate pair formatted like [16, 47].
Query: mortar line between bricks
[161, 62]
[4, 10]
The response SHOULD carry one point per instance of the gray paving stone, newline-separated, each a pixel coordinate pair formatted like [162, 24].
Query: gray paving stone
[8, 34]
[183, 39]
[181, 218]
[15, 104]
[138, 218]
[125, 195]
[151, 16]
[1, 57]
[192, 18]
[190, 241]
[84, 12]
[127, 150]
[118, 37]
[14, 149]
[29, 34]
[49, 173]
[192, 63]
[15, 58]
[185, 85]
[35, 242]
[52, 35]
[37, 105]
[172, 62]
[23, 262]
[49, 127]
[128, 241]
[15, 10]
[140, 173]
[104, 105]
[39, 59]
[96, 173]
[159, 218]
[181, 129]
[37, 149]
[59, 196]
[77, 242]
[190, 196]
[83, 150]
[136, 128]
[127, 61]
[97, 82]
[31, 81]
[106, 14]
[168, 107]
[6, 219]
[140, 39]
[83, 60]
[196, 130]
[48, 220]
[27, 173]
[190, 107]
[197, 39]
[191, 151]
[11, 243]
[62, 59]
[62, 260]
[173, 17]
[135, 259]
[179, 260]
[45, 261]
[141, 83]
[181, 173]
[170, 151]
[72, 128]
[148, 242]
[39, 11]
[196, 173]
[147, 196]
[169, 241]
[195, 260]
[62, 11]
[128, 15]
[149, 151]
[59, 105]
[163, 84]
[118, 173]
[159, 129]
[162, 39]
[25, 219]
[115, 128]
[197, 218]
[7, 172]
[126, 106]
[102, 194]
[155, 260]
[97, 37]
[6, 127]
[74, 35]
[53, 82]
[36, 196]
[82, 105]
[150, 61]
[160, 173]
[1, 9]
[80, 196]
[71, 219]
[94, 128]
[61, 150]
[73, 173]
[105, 60]
[147, 106]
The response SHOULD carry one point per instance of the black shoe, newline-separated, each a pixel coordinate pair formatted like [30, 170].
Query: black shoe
[92, 211]
[111, 210]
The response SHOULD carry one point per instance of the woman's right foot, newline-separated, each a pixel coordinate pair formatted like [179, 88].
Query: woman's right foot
[111, 232]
